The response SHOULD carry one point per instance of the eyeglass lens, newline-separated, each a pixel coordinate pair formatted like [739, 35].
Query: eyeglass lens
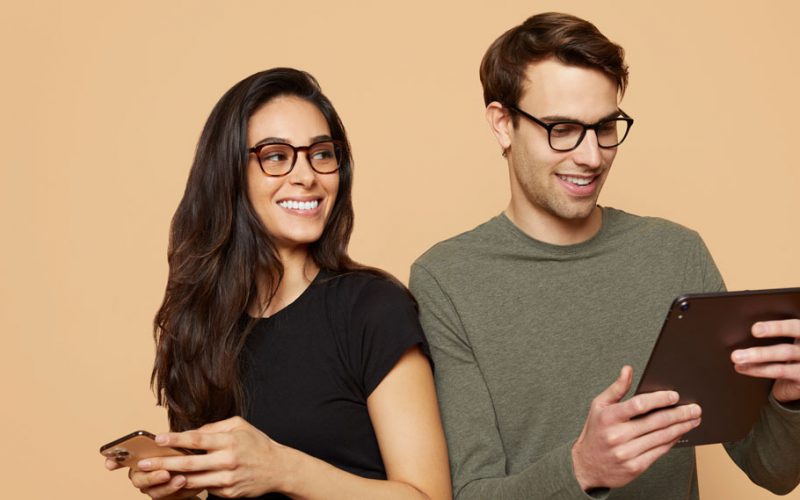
[567, 136]
[278, 159]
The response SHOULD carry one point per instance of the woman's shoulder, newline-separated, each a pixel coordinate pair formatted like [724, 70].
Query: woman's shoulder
[365, 288]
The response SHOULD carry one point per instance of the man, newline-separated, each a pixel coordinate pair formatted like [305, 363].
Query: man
[532, 314]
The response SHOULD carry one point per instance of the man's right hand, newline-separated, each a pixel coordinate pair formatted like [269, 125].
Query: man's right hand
[613, 449]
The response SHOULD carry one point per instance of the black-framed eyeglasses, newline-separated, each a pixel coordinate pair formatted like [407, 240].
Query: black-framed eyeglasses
[277, 159]
[567, 135]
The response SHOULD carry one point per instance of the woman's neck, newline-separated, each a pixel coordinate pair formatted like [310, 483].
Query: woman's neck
[299, 270]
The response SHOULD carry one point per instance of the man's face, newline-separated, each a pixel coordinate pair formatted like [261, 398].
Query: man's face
[560, 186]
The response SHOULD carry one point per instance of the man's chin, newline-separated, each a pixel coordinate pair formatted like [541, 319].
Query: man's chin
[577, 213]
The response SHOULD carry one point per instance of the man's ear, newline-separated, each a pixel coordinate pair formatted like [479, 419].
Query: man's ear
[499, 119]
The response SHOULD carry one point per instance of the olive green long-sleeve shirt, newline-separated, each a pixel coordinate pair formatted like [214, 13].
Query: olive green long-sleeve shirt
[525, 334]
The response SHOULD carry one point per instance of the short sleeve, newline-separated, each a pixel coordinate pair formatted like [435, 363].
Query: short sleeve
[384, 324]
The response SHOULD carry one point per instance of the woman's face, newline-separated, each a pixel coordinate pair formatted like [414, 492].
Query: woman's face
[295, 207]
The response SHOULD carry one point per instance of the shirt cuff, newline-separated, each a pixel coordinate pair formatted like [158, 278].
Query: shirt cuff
[787, 407]
[575, 487]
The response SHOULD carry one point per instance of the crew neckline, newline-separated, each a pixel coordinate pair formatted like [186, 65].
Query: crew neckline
[571, 249]
[300, 299]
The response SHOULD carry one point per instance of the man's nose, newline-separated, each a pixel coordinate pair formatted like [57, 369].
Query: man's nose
[588, 151]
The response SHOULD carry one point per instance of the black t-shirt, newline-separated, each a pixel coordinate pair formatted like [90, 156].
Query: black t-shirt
[309, 369]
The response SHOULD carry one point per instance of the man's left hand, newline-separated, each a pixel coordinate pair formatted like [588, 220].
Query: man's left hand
[780, 361]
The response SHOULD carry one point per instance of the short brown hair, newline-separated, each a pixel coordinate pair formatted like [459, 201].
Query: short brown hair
[567, 38]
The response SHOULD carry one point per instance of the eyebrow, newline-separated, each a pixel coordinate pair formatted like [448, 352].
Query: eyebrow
[282, 140]
[561, 118]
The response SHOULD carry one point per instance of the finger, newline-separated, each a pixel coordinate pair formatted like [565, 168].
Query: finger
[777, 328]
[112, 464]
[213, 481]
[643, 461]
[143, 480]
[195, 440]
[169, 489]
[226, 425]
[186, 463]
[666, 436]
[778, 353]
[617, 390]
[663, 419]
[778, 371]
[644, 403]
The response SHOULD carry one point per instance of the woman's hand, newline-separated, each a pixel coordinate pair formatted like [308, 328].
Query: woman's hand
[241, 461]
[158, 484]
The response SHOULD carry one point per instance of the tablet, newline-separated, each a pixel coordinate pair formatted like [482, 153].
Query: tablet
[693, 357]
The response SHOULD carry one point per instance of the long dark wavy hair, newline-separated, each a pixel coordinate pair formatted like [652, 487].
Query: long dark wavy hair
[219, 248]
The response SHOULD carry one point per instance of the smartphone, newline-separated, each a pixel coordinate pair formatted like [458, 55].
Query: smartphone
[138, 445]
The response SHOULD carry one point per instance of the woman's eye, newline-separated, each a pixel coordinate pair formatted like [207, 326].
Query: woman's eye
[324, 154]
[274, 157]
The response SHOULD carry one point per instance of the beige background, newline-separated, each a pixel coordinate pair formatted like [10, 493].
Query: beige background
[102, 103]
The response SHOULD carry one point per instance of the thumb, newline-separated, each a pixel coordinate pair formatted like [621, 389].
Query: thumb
[617, 390]
[111, 464]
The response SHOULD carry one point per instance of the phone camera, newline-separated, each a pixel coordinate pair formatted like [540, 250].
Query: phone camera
[119, 454]
[684, 306]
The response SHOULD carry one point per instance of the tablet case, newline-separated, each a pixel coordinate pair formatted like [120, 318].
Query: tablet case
[693, 357]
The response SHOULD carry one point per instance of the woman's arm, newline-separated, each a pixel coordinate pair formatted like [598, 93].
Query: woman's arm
[405, 415]
[243, 461]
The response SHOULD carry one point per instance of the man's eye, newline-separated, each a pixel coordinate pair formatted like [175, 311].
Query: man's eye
[608, 127]
[565, 129]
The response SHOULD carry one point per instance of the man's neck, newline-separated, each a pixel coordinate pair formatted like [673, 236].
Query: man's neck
[548, 228]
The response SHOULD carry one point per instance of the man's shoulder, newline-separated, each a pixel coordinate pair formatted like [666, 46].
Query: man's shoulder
[648, 228]
[461, 247]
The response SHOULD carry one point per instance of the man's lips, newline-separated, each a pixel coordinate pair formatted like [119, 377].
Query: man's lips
[579, 185]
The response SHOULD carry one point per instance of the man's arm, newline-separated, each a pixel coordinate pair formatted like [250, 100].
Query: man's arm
[477, 457]
[770, 454]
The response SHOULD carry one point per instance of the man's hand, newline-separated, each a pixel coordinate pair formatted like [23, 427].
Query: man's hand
[614, 448]
[780, 361]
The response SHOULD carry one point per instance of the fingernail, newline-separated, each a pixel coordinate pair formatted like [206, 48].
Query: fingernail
[179, 480]
[673, 397]
[145, 464]
[161, 439]
[739, 356]
[759, 329]
[694, 411]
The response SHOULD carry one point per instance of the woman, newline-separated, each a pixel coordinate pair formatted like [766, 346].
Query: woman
[301, 372]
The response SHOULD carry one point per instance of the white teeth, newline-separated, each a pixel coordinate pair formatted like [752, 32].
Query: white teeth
[580, 181]
[299, 205]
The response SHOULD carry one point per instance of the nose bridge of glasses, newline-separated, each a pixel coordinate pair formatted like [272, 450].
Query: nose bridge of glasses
[588, 146]
[301, 169]
[306, 150]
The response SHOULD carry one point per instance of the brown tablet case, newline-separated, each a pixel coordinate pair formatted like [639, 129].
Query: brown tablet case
[693, 357]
